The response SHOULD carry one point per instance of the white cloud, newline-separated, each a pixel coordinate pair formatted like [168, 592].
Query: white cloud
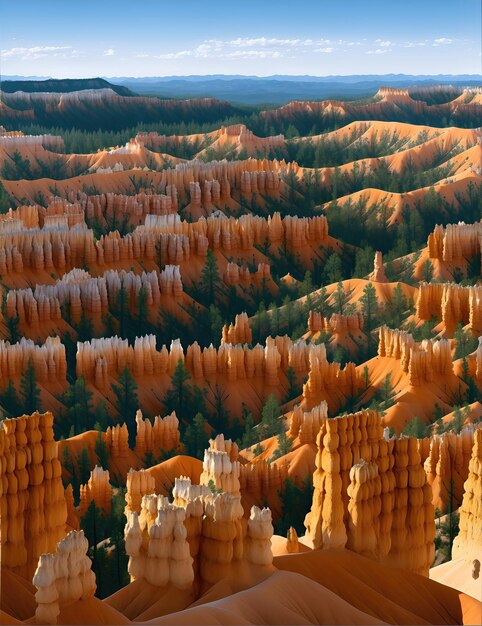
[379, 51]
[383, 43]
[255, 47]
[444, 41]
[40, 52]
[109, 52]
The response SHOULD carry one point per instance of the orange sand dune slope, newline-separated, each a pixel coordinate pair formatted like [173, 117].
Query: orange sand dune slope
[388, 594]
[284, 598]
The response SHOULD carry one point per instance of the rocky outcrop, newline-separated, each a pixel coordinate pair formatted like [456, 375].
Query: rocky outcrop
[99, 360]
[306, 424]
[421, 361]
[79, 293]
[467, 544]
[452, 304]
[378, 275]
[447, 466]
[337, 324]
[229, 234]
[239, 332]
[12, 141]
[159, 552]
[206, 532]
[138, 484]
[220, 471]
[455, 242]
[240, 275]
[32, 500]
[160, 436]
[260, 480]
[98, 490]
[364, 508]
[324, 377]
[365, 481]
[258, 541]
[114, 208]
[48, 359]
[117, 441]
[63, 577]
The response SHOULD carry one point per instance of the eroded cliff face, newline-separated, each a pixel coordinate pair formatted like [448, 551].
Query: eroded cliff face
[452, 304]
[162, 435]
[48, 359]
[98, 490]
[327, 379]
[336, 323]
[239, 332]
[33, 505]
[422, 361]
[468, 543]
[455, 242]
[365, 481]
[63, 577]
[200, 534]
[447, 466]
[79, 293]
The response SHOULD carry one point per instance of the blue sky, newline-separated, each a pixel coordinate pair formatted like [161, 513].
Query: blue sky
[67, 38]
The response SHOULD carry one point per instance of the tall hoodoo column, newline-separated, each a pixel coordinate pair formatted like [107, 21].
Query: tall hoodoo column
[63, 577]
[468, 543]
[33, 506]
[371, 494]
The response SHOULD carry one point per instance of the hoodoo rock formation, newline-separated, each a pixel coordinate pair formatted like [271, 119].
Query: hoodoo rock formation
[33, 505]
[162, 435]
[452, 304]
[63, 577]
[421, 361]
[378, 274]
[468, 543]
[447, 465]
[150, 275]
[97, 489]
[387, 492]
[239, 332]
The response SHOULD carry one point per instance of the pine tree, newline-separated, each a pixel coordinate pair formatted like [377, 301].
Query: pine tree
[102, 415]
[465, 343]
[179, 395]
[77, 399]
[142, 311]
[122, 309]
[9, 400]
[210, 280]
[13, 330]
[384, 397]
[341, 299]
[196, 437]
[127, 402]
[427, 271]
[333, 269]
[101, 450]
[416, 428]
[84, 466]
[294, 388]
[29, 390]
[284, 446]
[269, 424]
[84, 328]
[369, 305]
[306, 286]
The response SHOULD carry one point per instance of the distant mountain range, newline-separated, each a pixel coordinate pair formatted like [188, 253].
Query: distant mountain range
[63, 85]
[250, 90]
